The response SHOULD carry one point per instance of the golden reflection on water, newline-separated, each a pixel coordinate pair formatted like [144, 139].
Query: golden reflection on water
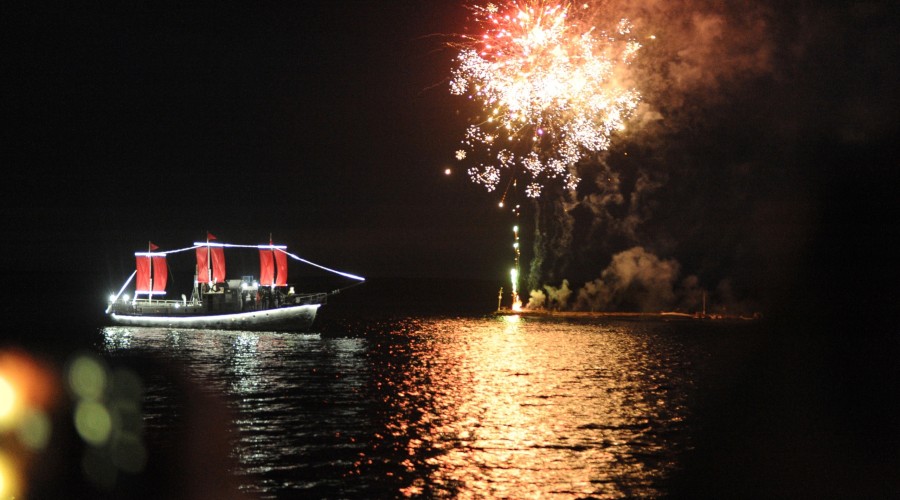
[479, 407]
[530, 409]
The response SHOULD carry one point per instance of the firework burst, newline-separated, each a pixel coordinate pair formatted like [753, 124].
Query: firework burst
[546, 80]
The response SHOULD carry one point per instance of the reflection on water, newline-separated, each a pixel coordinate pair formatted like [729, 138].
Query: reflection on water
[478, 407]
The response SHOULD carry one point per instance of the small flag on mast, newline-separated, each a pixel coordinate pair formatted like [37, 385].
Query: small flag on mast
[152, 246]
[210, 236]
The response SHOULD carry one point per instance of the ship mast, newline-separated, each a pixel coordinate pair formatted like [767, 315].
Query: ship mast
[150, 261]
[209, 277]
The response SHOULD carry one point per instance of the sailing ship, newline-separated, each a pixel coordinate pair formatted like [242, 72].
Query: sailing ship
[267, 304]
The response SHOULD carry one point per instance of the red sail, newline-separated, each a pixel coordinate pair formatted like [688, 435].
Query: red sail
[217, 256]
[218, 264]
[266, 267]
[202, 265]
[142, 279]
[160, 273]
[281, 261]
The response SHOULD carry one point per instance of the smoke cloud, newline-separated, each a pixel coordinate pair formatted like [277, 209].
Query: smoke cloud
[695, 45]
[635, 280]
[694, 55]
[721, 168]
[551, 298]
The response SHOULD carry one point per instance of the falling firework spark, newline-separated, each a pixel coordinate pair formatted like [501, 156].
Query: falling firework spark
[546, 80]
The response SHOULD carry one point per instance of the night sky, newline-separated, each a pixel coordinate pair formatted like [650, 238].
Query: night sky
[762, 167]
[763, 161]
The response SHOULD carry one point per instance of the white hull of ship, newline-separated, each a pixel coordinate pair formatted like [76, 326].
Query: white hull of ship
[283, 319]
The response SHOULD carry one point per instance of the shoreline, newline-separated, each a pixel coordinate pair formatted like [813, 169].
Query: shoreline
[662, 315]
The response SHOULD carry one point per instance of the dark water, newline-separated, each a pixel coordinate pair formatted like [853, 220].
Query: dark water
[438, 407]
[397, 395]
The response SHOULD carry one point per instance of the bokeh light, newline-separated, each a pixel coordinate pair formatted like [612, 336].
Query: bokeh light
[7, 402]
[9, 478]
[35, 429]
[87, 378]
[93, 422]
